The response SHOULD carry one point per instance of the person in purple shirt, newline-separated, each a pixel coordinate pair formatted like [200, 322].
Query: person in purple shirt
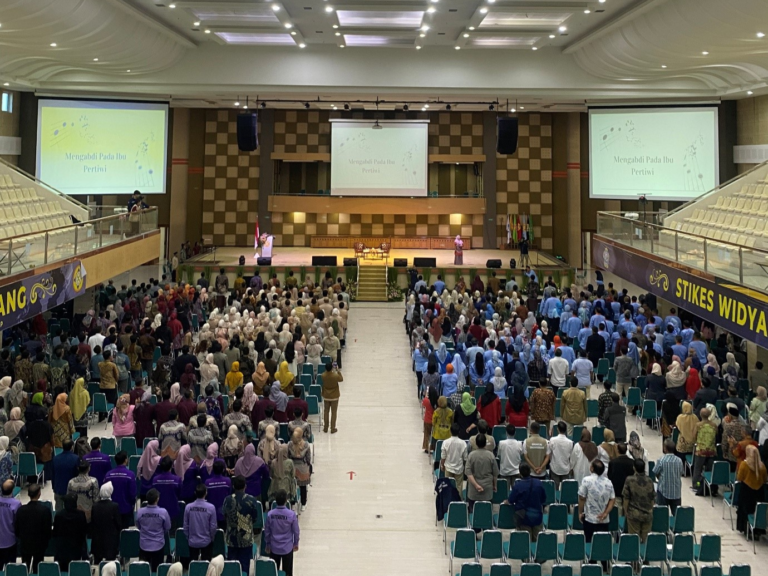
[124, 488]
[200, 525]
[100, 462]
[281, 534]
[253, 469]
[219, 487]
[169, 487]
[153, 523]
[8, 507]
[186, 469]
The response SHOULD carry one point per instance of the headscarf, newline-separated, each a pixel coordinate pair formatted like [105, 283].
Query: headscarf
[488, 396]
[635, 448]
[458, 365]
[37, 398]
[588, 448]
[284, 376]
[687, 423]
[249, 398]
[518, 399]
[269, 441]
[248, 463]
[215, 566]
[277, 396]
[109, 569]
[15, 423]
[4, 441]
[260, 376]
[105, 492]
[150, 458]
[232, 441]
[282, 456]
[183, 461]
[442, 353]
[675, 375]
[656, 370]
[210, 456]
[466, 404]
[177, 569]
[762, 394]
[633, 353]
[712, 361]
[297, 441]
[60, 407]
[15, 395]
[175, 395]
[556, 341]
[752, 458]
[5, 385]
[520, 377]
[609, 444]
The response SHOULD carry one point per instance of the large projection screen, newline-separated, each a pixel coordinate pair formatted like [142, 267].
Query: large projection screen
[386, 161]
[662, 153]
[101, 147]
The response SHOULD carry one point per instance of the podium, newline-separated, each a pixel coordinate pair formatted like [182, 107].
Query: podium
[266, 248]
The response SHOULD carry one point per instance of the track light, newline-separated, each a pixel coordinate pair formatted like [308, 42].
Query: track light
[405, 107]
[263, 104]
[491, 107]
[306, 105]
[346, 106]
[448, 107]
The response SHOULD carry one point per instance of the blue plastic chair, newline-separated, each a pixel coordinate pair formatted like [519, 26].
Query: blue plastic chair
[519, 546]
[757, 521]
[463, 547]
[573, 549]
[530, 569]
[720, 475]
[139, 569]
[28, 466]
[197, 568]
[491, 546]
[456, 518]
[545, 547]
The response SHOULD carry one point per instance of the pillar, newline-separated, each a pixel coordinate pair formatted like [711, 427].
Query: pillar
[177, 229]
[574, 190]
[489, 180]
[266, 167]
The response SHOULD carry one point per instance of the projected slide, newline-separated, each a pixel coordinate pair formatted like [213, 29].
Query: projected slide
[391, 161]
[87, 147]
[666, 154]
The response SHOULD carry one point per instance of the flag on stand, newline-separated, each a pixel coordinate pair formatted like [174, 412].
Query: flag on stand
[530, 230]
[256, 238]
[519, 229]
[509, 231]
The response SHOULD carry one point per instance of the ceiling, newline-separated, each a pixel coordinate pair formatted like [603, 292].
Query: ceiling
[539, 54]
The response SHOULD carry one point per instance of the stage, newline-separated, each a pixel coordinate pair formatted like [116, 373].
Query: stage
[293, 257]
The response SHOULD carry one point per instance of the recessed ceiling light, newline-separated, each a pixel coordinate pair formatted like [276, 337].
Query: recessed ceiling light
[749, 92]
[335, 26]
[435, 1]
[289, 25]
[431, 10]
[245, 107]
[53, 44]
[171, 6]
[512, 110]
[458, 47]
[329, 9]
[127, 70]
[342, 46]
[562, 28]
[483, 10]
[534, 48]
[663, 65]
[302, 45]
[423, 109]
[491, 1]
[196, 24]
[426, 105]
[275, 7]
[471, 27]
[760, 35]
[466, 35]
[237, 103]
[418, 47]
[422, 35]
[6, 84]
[425, 28]
[551, 35]
[95, 59]
[601, 1]
[587, 11]
[293, 33]
[522, 107]
[207, 31]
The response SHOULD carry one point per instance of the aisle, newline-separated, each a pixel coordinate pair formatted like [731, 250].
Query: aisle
[381, 521]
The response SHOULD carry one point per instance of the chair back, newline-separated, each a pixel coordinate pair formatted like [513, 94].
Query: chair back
[708, 571]
[139, 569]
[162, 569]
[634, 397]
[593, 408]
[740, 570]
[314, 405]
[506, 517]
[561, 570]
[458, 515]
[500, 569]
[591, 570]
[129, 544]
[128, 445]
[182, 544]
[464, 545]
[760, 515]
[681, 571]
[264, 567]
[602, 547]
[471, 569]
[721, 473]
[621, 570]
[16, 569]
[660, 519]
[482, 516]
[27, 464]
[574, 548]
[603, 366]
[109, 446]
[682, 548]
[598, 434]
[546, 547]
[685, 518]
[81, 568]
[530, 569]
[654, 571]
[569, 492]
[519, 546]
[502, 491]
[48, 569]
[558, 517]
[656, 547]
[629, 548]
[576, 435]
[499, 434]
[197, 568]
[231, 568]
[491, 545]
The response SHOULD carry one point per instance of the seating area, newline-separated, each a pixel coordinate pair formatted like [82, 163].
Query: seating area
[23, 212]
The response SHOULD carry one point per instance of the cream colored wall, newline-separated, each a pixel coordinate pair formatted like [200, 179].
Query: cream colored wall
[113, 262]
[9, 126]
[751, 124]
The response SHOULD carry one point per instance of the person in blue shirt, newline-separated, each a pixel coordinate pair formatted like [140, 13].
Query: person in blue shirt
[582, 369]
[64, 469]
[627, 324]
[219, 487]
[687, 333]
[281, 534]
[153, 523]
[700, 348]
[420, 361]
[597, 318]
[168, 485]
[678, 349]
[668, 340]
[488, 354]
[123, 488]
[606, 336]
[531, 274]
[673, 318]
[439, 284]
[528, 497]
[95, 359]
[419, 284]
[572, 324]
[480, 372]
[584, 333]
[566, 351]
[100, 463]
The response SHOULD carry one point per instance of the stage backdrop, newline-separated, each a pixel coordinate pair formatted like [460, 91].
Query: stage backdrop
[733, 307]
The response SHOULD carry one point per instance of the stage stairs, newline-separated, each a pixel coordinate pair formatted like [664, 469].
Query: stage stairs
[372, 284]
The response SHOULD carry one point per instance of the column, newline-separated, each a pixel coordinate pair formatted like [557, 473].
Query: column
[177, 229]
[573, 167]
[489, 180]
[266, 167]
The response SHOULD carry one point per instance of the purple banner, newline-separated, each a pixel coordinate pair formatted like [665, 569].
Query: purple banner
[24, 299]
[735, 308]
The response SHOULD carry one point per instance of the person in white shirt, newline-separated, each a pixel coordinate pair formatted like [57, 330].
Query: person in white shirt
[596, 499]
[453, 457]
[582, 368]
[510, 454]
[558, 370]
[561, 448]
[96, 340]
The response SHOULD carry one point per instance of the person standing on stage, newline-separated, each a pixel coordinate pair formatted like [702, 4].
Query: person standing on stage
[458, 253]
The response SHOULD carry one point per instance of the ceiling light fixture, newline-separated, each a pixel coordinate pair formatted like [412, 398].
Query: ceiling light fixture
[426, 105]
[127, 70]
[466, 35]
[483, 10]
[663, 65]
[95, 59]
[458, 47]
[425, 28]
[289, 25]
[431, 10]
[245, 107]
[491, 107]
[338, 33]
[207, 31]
[522, 107]
[171, 6]
[237, 102]
[749, 92]
[760, 35]
[705, 53]
[293, 33]
[587, 11]
[534, 48]
[418, 47]
[471, 27]
[275, 7]
[422, 35]
[196, 24]
[512, 110]
[601, 1]
[562, 28]
[335, 26]
[329, 9]
[342, 46]
[302, 45]
[551, 35]
[6, 84]
[423, 109]
[53, 44]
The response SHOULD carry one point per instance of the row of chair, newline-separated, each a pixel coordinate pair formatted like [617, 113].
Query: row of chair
[263, 567]
[531, 569]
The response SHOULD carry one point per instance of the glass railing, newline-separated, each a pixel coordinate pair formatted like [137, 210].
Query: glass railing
[433, 194]
[743, 261]
[29, 250]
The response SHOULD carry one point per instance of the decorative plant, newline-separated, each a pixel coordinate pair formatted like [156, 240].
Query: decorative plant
[317, 275]
[427, 274]
[441, 273]
[352, 290]
[272, 271]
[472, 274]
[457, 275]
[394, 292]
[302, 274]
[334, 272]
[190, 275]
[239, 271]
[392, 275]
[208, 273]
[350, 273]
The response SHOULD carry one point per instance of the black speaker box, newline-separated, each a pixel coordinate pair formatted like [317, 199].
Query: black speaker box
[350, 261]
[506, 142]
[247, 132]
[425, 262]
[493, 263]
[401, 262]
[512, 263]
[324, 261]
[264, 261]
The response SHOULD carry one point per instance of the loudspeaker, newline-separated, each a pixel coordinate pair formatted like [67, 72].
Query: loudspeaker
[401, 262]
[324, 260]
[350, 261]
[425, 262]
[247, 132]
[512, 263]
[506, 142]
[241, 260]
[493, 263]
[264, 261]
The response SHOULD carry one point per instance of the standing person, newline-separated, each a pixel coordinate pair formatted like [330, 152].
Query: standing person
[109, 376]
[218, 486]
[241, 510]
[510, 455]
[85, 488]
[573, 406]
[668, 471]
[752, 475]
[558, 370]
[584, 453]
[99, 462]
[637, 499]
[453, 457]
[123, 483]
[168, 486]
[596, 500]
[70, 531]
[64, 469]
[560, 449]
[281, 534]
[619, 469]
[705, 452]
[626, 371]
[60, 419]
[79, 400]
[331, 394]
[106, 524]
[536, 452]
[253, 469]
[301, 456]
[33, 529]
[542, 403]
[482, 473]
[200, 525]
[429, 404]
[153, 523]
[122, 419]
[529, 498]
[442, 421]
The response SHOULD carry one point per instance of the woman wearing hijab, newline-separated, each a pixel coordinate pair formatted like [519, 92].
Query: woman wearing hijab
[36, 411]
[61, 421]
[687, 424]
[249, 398]
[676, 379]
[443, 358]
[211, 457]
[147, 466]
[208, 370]
[268, 445]
[730, 361]
[143, 418]
[280, 399]
[15, 396]
[79, 399]
[442, 418]
[6, 460]
[285, 378]
[520, 377]
[670, 410]
[106, 524]
[635, 448]
[517, 408]
[757, 406]
[608, 450]
[752, 475]
[283, 474]
[253, 469]
[489, 406]
[122, 420]
[692, 382]
[188, 380]
[712, 361]
[537, 367]
[499, 383]
[477, 285]
[186, 468]
[656, 386]
[299, 453]
[584, 453]
[260, 379]
[234, 378]
[429, 403]
[466, 416]
[633, 353]
[14, 426]
[175, 393]
[479, 372]
[232, 447]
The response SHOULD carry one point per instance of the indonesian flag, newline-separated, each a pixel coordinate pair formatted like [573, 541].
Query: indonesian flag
[256, 238]
[519, 232]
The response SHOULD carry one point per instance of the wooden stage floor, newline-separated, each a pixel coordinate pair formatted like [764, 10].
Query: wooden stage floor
[228, 256]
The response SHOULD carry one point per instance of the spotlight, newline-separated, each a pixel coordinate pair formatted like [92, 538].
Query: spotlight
[346, 106]
[448, 107]
[749, 92]
[405, 107]
[562, 28]
[491, 107]
[306, 105]
[237, 103]
[263, 104]
[761, 35]
[329, 9]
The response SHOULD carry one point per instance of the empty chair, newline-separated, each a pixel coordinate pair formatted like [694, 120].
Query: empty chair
[683, 520]
[519, 546]
[573, 549]
[491, 546]
[561, 570]
[708, 550]
[530, 570]
[621, 570]
[471, 569]
[499, 569]
[545, 547]
[463, 547]
[682, 550]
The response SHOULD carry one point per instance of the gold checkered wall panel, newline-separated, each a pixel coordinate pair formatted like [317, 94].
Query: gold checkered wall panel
[230, 183]
[297, 228]
[524, 179]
